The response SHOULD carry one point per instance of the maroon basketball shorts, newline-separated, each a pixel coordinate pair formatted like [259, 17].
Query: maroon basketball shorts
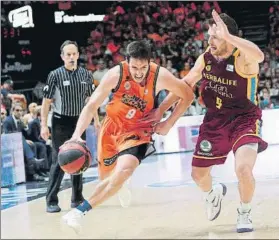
[220, 134]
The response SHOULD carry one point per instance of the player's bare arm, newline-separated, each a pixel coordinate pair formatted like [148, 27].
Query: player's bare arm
[108, 83]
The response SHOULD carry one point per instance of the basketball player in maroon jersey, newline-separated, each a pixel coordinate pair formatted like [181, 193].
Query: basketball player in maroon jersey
[228, 71]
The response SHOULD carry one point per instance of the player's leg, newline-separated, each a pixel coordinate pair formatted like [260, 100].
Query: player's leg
[247, 144]
[202, 177]
[124, 194]
[211, 149]
[245, 159]
[126, 164]
[213, 194]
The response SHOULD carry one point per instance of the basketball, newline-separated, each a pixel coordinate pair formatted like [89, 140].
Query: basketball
[74, 157]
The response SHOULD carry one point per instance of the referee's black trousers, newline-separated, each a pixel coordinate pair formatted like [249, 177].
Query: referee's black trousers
[63, 128]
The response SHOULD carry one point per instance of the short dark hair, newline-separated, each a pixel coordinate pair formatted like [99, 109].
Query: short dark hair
[68, 42]
[139, 50]
[229, 21]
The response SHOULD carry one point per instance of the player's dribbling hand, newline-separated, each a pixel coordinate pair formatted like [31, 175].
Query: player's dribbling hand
[162, 128]
[75, 139]
[220, 27]
[45, 133]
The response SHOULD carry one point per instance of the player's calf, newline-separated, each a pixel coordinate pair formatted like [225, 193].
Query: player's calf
[202, 177]
[245, 158]
[125, 195]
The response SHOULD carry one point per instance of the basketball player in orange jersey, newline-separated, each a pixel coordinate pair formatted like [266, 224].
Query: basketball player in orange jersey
[123, 140]
[228, 72]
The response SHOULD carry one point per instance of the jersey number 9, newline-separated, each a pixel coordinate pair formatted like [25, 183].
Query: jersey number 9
[131, 113]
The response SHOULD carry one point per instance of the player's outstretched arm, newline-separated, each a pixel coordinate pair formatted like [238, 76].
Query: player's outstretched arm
[108, 83]
[251, 51]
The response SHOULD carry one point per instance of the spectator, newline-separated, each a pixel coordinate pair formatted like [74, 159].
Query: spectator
[3, 117]
[185, 70]
[265, 102]
[32, 113]
[8, 96]
[110, 64]
[171, 69]
[34, 132]
[13, 124]
[275, 89]
[101, 71]
[83, 56]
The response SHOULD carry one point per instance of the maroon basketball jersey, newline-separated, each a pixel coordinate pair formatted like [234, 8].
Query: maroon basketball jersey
[223, 88]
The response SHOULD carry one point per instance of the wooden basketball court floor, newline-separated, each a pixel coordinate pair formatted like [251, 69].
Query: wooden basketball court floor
[165, 204]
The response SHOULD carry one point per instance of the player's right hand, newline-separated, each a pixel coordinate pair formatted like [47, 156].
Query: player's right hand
[45, 133]
[154, 116]
[75, 139]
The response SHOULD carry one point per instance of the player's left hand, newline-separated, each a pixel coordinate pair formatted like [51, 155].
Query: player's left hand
[220, 27]
[162, 128]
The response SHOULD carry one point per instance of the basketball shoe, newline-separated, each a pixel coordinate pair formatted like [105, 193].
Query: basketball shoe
[244, 221]
[214, 201]
[74, 219]
[125, 195]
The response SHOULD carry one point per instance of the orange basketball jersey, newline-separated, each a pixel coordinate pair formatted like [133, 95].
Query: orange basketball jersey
[120, 129]
[130, 100]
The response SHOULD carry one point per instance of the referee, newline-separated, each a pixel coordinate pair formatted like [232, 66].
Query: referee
[68, 87]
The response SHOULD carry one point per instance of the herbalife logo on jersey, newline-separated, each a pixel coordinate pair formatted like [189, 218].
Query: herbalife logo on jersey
[22, 17]
[230, 67]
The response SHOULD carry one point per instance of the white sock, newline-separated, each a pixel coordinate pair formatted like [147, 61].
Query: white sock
[245, 207]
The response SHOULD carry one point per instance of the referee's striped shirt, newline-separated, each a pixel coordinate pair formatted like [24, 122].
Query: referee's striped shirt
[69, 89]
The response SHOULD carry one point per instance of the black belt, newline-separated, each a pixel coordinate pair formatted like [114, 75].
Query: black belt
[60, 116]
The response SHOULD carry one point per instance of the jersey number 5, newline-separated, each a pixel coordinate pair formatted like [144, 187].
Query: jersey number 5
[218, 102]
[131, 113]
